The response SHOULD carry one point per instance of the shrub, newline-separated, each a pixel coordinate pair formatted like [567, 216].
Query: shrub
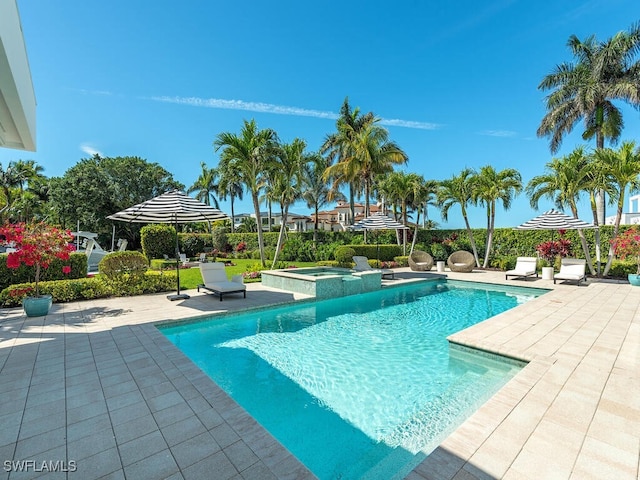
[192, 244]
[219, 239]
[439, 251]
[344, 255]
[401, 260]
[25, 274]
[158, 240]
[60, 291]
[123, 270]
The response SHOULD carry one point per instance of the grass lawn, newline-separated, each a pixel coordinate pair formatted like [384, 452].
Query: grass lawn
[190, 277]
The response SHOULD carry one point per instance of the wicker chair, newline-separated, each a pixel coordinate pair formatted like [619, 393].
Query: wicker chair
[420, 261]
[461, 261]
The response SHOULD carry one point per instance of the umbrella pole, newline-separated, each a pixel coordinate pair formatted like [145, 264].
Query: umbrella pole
[178, 295]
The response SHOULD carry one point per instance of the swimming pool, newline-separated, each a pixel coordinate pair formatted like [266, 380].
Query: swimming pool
[367, 387]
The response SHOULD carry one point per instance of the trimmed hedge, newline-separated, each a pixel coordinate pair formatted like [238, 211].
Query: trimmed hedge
[25, 274]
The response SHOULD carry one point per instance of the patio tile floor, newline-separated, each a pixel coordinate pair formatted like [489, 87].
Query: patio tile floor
[96, 383]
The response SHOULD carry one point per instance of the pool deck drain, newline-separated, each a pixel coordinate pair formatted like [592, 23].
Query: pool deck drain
[97, 388]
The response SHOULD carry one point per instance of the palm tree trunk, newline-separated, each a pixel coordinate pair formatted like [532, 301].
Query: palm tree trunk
[233, 216]
[315, 224]
[492, 219]
[285, 211]
[256, 207]
[471, 240]
[583, 241]
[616, 228]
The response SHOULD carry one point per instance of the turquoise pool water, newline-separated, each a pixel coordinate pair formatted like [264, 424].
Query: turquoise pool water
[363, 386]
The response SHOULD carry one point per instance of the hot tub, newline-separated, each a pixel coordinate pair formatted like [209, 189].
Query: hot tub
[322, 282]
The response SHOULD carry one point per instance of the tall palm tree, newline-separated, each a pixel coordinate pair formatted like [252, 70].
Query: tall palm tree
[623, 169]
[338, 146]
[458, 190]
[370, 153]
[229, 185]
[491, 186]
[315, 191]
[206, 186]
[287, 187]
[250, 154]
[564, 181]
[602, 72]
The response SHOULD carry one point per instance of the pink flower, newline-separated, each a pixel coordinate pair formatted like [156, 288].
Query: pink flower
[66, 269]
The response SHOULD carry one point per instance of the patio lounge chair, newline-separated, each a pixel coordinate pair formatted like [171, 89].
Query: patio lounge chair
[525, 267]
[420, 261]
[216, 281]
[572, 269]
[362, 265]
[461, 261]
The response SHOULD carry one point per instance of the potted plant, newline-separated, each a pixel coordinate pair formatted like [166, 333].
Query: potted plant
[36, 245]
[627, 244]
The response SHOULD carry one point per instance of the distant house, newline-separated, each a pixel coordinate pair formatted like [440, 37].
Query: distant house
[337, 220]
[632, 217]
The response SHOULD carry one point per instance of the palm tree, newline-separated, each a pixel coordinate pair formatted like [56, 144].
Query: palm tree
[288, 181]
[564, 181]
[229, 185]
[458, 190]
[585, 90]
[370, 153]
[249, 154]
[338, 147]
[622, 167]
[206, 186]
[315, 191]
[491, 186]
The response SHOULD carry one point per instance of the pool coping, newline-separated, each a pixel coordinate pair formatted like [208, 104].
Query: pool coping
[567, 414]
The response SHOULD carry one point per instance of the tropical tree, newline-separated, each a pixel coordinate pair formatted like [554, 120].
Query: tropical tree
[248, 225]
[206, 186]
[99, 186]
[602, 72]
[458, 190]
[622, 167]
[288, 181]
[491, 186]
[249, 154]
[370, 153]
[315, 191]
[229, 186]
[564, 181]
[338, 147]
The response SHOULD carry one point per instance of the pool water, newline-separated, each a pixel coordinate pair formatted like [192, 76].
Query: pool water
[364, 387]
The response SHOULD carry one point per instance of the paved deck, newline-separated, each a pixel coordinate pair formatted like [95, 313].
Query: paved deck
[95, 386]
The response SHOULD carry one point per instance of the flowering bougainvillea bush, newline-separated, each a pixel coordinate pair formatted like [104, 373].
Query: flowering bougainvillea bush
[37, 245]
[627, 244]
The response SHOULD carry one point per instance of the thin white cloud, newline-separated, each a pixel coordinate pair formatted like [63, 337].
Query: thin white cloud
[498, 133]
[90, 150]
[279, 110]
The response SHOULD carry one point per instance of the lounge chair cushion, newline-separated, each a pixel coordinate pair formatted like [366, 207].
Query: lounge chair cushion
[571, 269]
[525, 267]
[362, 265]
[216, 281]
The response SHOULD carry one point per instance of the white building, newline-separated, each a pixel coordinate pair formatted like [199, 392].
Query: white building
[17, 99]
[632, 217]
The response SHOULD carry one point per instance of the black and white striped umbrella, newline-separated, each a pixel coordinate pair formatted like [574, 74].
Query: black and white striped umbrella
[378, 221]
[171, 207]
[554, 220]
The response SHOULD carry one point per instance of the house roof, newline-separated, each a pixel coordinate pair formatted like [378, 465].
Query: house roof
[17, 98]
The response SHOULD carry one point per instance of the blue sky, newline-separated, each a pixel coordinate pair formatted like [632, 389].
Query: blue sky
[454, 82]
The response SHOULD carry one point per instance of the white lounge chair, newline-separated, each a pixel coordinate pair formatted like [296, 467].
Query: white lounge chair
[216, 281]
[572, 269]
[362, 265]
[525, 267]
[183, 259]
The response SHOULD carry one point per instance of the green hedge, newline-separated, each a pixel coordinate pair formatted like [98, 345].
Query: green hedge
[87, 288]
[25, 274]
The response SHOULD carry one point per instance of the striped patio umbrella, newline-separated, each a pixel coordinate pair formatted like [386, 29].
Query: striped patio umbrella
[172, 207]
[554, 220]
[379, 221]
